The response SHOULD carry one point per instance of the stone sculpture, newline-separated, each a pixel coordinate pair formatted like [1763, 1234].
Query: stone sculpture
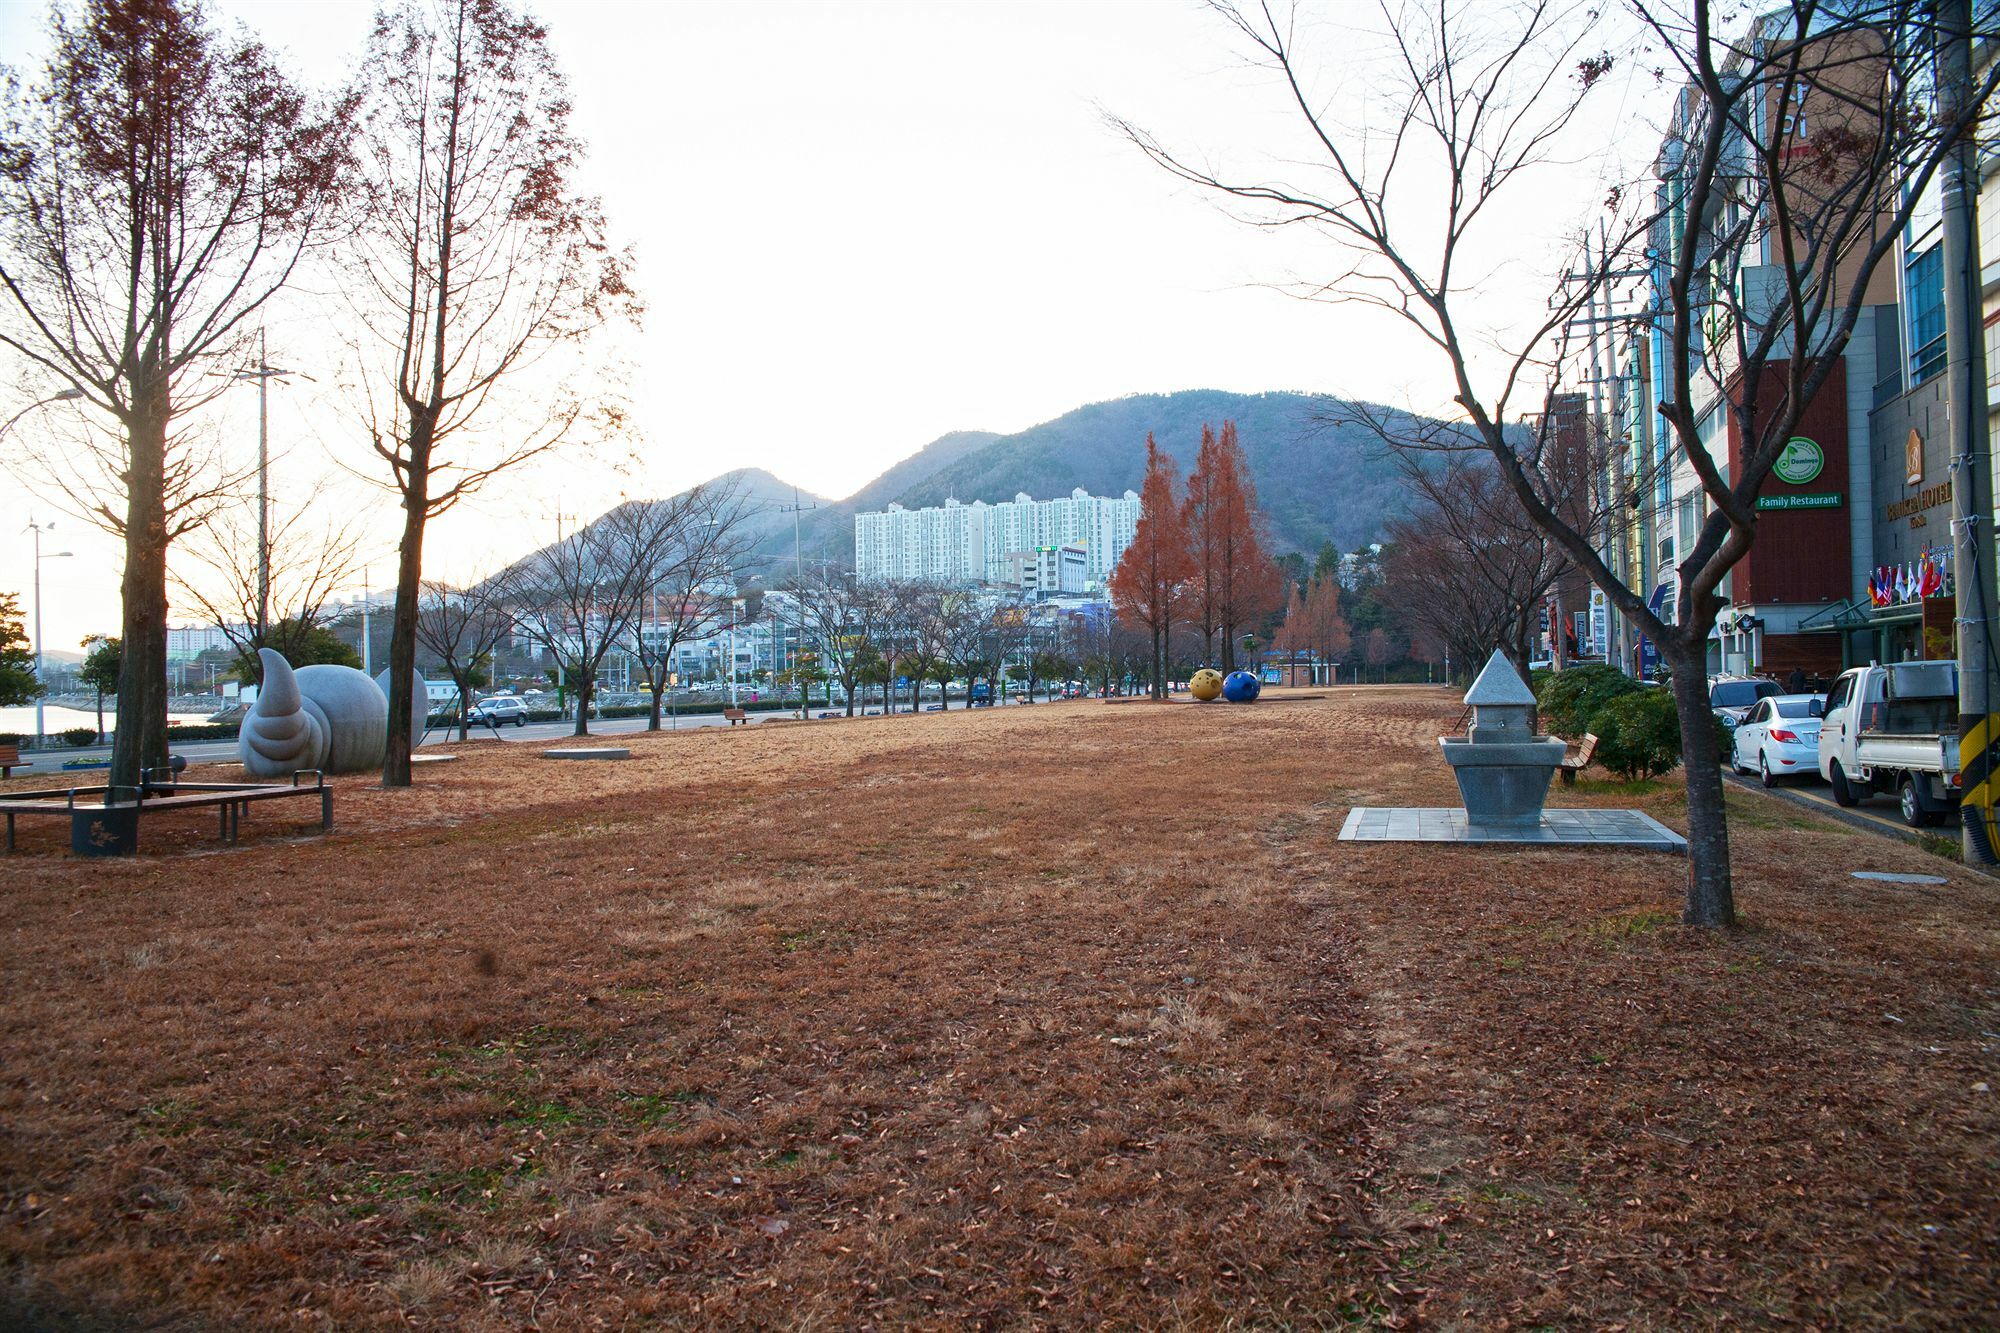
[332, 718]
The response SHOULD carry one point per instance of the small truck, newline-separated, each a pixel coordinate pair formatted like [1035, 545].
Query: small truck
[1894, 728]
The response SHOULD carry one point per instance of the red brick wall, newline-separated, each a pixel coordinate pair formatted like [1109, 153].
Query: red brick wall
[1801, 554]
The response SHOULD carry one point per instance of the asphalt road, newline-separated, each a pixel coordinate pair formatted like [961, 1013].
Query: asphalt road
[1881, 811]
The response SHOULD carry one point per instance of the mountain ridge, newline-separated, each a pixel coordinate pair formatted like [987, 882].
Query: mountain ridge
[1319, 473]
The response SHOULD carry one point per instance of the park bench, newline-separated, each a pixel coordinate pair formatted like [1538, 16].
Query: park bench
[89, 808]
[10, 759]
[1575, 764]
[735, 715]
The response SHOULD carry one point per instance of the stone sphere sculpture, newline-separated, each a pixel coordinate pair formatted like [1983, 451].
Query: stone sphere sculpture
[1206, 684]
[1241, 687]
[332, 718]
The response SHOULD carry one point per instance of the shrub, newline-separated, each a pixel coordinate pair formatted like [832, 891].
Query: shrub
[80, 736]
[1639, 734]
[1571, 700]
[11, 738]
[203, 731]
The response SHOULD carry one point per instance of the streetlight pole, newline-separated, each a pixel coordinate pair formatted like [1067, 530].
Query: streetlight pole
[38, 529]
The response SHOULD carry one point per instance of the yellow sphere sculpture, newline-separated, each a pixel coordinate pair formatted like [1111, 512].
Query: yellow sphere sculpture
[1206, 684]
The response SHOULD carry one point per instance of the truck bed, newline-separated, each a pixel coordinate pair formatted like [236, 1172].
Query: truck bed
[1916, 753]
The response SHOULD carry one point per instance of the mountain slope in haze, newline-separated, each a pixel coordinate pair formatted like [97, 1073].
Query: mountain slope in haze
[903, 477]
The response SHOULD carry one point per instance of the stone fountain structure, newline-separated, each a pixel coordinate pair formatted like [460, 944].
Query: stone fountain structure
[1503, 768]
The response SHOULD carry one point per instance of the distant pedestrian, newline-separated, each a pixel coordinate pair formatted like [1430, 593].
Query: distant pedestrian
[1796, 682]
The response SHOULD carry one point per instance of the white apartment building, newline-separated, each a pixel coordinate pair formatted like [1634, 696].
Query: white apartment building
[184, 644]
[980, 542]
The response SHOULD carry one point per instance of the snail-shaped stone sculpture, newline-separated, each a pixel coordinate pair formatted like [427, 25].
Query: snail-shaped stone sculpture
[332, 718]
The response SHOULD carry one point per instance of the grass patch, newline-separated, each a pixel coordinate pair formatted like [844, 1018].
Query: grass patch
[1942, 845]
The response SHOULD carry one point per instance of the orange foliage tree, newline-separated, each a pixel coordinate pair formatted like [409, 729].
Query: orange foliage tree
[1236, 584]
[1150, 585]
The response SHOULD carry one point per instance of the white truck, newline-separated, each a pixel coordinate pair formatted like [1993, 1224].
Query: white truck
[1894, 729]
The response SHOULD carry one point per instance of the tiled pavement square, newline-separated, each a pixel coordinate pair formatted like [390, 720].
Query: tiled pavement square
[1587, 827]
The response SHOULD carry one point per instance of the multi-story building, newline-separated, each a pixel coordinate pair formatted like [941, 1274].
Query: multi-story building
[977, 542]
[1860, 485]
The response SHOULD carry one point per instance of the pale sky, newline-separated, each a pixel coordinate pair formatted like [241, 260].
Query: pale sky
[859, 226]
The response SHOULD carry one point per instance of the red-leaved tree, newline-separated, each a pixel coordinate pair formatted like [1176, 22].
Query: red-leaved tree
[1151, 582]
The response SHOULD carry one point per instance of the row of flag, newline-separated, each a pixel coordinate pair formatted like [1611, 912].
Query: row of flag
[1926, 576]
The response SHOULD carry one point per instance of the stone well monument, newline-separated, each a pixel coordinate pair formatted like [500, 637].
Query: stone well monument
[1503, 771]
[1503, 768]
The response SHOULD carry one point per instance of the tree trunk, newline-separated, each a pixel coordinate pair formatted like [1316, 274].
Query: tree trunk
[586, 686]
[1710, 899]
[403, 639]
[141, 739]
[653, 720]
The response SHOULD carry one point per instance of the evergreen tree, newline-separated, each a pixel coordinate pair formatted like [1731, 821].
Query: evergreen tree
[18, 684]
[101, 667]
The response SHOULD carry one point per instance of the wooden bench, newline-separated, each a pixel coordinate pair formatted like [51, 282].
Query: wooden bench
[1573, 765]
[735, 715]
[228, 799]
[10, 759]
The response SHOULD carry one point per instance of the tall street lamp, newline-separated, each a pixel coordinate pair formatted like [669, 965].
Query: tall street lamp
[38, 529]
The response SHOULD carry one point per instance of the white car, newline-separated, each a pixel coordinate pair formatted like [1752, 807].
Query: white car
[1779, 737]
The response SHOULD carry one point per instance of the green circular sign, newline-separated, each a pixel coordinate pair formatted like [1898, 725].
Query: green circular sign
[1800, 461]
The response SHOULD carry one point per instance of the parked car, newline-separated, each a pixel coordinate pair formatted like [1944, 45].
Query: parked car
[1732, 697]
[1779, 737]
[499, 709]
[1894, 729]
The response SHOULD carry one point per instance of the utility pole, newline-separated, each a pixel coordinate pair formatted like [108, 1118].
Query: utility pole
[264, 373]
[367, 660]
[1971, 447]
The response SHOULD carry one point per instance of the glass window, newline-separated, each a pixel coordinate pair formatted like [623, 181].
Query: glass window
[1923, 286]
[1740, 693]
[1793, 707]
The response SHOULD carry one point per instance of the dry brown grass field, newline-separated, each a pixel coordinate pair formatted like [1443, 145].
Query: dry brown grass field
[1065, 1016]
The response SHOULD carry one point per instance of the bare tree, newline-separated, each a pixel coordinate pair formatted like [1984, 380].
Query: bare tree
[1314, 626]
[311, 556]
[700, 544]
[843, 619]
[579, 597]
[461, 627]
[1468, 566]
[158, 184]
[476, 261]
[1798, 147]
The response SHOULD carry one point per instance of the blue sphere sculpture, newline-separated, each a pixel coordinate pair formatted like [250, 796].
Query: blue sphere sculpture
[1241, 687]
